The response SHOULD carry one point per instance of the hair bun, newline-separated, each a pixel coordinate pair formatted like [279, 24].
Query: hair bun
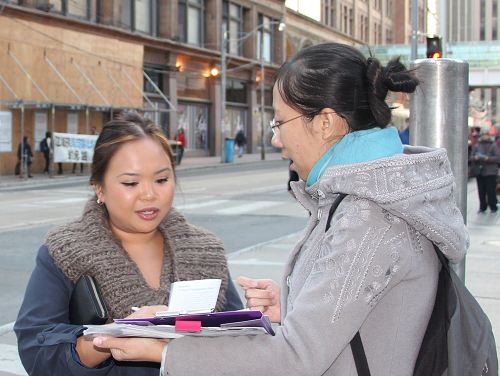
[397, 78]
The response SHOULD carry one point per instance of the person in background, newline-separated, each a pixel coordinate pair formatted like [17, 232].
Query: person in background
[131, 241]
[372, 274]
[241, 142]
[404, 135]
[24, 157]
[181, 144]
[487, 155]
[46, 149]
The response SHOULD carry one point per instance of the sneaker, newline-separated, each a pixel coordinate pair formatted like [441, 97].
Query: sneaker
[481, 211]
[494, 210]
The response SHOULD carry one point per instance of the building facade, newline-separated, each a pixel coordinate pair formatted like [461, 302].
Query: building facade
[470, 21]
[372, 22]
[70, 65]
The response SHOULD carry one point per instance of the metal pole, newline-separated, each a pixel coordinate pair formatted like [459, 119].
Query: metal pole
[262, 112]
[438, 118]
[23, 161]
[52, 130]
[414, 29]
[222, 90]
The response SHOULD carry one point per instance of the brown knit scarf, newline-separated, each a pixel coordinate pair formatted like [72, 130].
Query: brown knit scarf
[87, 246]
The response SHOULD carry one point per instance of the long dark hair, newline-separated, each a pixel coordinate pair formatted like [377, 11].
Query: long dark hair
[338, 76]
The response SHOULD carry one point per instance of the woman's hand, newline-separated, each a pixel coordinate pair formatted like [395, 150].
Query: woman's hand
[262, 295]
[147, 311]
[132, 349]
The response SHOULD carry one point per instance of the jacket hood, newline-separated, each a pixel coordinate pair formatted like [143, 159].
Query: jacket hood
[417, 186]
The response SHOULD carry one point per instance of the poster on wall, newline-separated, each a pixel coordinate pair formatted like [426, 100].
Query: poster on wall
[75, 148]
[72, 126]
[40, 128]
[5, 131]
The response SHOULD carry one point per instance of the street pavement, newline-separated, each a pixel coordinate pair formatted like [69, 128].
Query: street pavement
[266, 260]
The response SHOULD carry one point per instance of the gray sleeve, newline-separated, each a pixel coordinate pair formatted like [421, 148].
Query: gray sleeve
[325, 314]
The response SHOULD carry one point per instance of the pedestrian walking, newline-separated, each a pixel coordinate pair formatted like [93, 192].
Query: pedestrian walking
[46, 149]
[365, 275]
[241, 141]
[24, 158]
[484, 160]
[180, 137]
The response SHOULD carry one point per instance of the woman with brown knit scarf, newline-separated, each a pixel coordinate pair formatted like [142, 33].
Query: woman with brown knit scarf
[131, 241]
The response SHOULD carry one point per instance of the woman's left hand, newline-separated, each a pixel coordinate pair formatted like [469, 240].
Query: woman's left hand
[132, 349]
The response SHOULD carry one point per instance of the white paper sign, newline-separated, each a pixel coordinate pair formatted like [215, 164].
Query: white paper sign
[76, 148]
[5, 131]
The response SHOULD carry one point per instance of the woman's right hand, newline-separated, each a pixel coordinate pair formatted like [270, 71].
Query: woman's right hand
[262, 295]
[147, 311]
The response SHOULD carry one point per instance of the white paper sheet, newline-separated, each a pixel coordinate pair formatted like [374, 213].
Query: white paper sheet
[193, 296]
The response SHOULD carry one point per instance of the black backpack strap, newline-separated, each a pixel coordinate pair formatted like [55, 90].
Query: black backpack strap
[334, 207]
[358, 351]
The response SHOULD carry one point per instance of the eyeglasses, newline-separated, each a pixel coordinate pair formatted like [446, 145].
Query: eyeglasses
[275, 125]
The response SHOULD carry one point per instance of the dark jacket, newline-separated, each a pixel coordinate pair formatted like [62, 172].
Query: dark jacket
[28, 153]
[489, 157]
[47, 340]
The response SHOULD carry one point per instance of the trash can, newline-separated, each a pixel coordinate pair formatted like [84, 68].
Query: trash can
[229, 142]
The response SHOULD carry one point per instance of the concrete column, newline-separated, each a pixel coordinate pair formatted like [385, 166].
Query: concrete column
[214, 119]
[170, 83]
[252, 114]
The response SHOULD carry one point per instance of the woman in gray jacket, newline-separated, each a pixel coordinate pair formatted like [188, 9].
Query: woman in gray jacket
[374, 271]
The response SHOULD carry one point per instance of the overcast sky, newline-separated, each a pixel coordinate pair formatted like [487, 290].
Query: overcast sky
[311, 8]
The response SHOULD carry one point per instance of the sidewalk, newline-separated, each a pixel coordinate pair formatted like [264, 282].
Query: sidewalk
[188, 163]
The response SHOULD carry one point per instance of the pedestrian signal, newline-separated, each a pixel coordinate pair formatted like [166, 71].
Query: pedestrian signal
[434, 49]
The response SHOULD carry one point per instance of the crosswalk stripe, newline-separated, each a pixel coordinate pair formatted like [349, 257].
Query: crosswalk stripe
[198, 205]
[9, 360]
[247, 208]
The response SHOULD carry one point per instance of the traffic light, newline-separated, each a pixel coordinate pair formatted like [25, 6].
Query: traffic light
[434, 49]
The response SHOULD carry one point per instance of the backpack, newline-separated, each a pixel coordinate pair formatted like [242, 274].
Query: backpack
[43, 146]
[459, 339]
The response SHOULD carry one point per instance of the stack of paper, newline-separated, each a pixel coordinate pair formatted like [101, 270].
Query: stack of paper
[190, 313]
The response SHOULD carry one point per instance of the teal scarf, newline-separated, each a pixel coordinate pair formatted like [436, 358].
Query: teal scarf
[357, 147]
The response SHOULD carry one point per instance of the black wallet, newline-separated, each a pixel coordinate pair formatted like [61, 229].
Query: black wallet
[86, 305]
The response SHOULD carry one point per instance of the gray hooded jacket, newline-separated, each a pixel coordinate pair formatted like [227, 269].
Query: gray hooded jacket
[374, 270]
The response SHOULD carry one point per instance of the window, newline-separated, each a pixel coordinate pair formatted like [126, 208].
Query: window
[73, 8]
[388, 36]
[233, 16]
[138, 15]
[344, 16]
[265, 36]
[142, 16]
[330, 12]
[351, 22]
[156, 75]
[236, 91]
[388, 8]
[363, 28]
[191, 21]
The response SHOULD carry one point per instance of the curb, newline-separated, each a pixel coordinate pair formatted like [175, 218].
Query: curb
[63, 180]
